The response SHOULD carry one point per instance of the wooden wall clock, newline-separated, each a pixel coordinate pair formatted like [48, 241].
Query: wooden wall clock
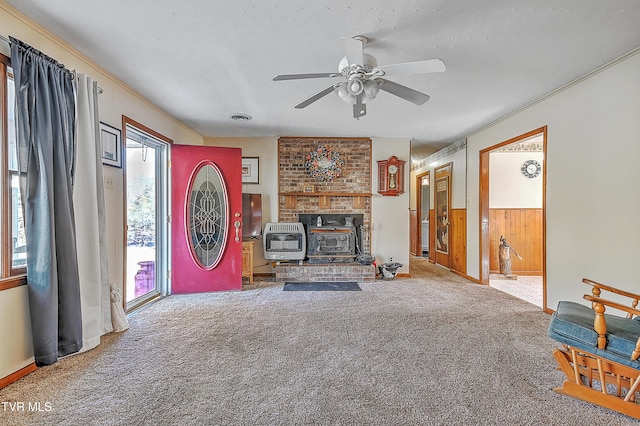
[391, 176]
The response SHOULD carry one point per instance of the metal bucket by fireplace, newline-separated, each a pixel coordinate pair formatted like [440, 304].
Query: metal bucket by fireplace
[389, 270]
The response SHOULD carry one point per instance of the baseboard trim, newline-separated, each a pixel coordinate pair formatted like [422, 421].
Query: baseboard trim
[475, 280]
[14, 377]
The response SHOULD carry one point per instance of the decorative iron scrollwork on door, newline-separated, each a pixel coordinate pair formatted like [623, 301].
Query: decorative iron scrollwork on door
[207, 215]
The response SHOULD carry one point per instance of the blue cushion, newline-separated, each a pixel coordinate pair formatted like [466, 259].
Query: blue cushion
[572, 324]
[622, 334]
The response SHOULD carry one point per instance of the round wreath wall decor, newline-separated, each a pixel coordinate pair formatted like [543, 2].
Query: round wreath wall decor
[323, 164]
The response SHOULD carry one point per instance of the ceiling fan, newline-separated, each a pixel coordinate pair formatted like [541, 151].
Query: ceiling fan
[364, 78]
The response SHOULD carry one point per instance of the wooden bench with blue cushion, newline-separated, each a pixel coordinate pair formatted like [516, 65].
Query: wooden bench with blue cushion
[600, 348]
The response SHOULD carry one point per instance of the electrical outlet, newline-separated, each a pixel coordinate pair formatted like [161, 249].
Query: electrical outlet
[108, 183]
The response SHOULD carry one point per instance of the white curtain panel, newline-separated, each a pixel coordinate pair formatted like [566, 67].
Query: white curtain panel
[88, 200]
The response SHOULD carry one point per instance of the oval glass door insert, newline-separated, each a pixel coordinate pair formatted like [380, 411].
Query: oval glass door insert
[207, 215]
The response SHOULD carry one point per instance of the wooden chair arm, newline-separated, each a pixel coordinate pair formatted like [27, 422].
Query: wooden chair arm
[612, 304]
[600, 324]
[599, 286]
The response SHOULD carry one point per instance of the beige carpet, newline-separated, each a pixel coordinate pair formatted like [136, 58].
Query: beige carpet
[434, 349]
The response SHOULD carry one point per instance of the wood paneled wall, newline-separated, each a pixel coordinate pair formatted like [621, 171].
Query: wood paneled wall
[458, 240]
[523, 230]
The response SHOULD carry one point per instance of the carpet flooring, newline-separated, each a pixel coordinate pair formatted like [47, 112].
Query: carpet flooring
[322, 286]
[434, 349]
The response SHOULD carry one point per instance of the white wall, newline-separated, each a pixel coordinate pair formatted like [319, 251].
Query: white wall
[16, 351]
[390, 215]
[592, 180]
[116, 100]
[508, 187]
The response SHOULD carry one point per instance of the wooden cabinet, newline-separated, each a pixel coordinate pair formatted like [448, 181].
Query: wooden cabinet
[247, 260]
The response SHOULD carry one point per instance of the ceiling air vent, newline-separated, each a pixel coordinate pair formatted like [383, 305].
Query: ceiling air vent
[240, 117]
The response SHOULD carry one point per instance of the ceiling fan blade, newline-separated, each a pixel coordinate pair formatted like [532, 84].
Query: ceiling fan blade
[315, 97]
[359, 109]
[354, 47]
[282, 77]
[403, 92]
[418, 67]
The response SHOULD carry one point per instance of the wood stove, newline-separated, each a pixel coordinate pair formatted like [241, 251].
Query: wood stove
[332, 238]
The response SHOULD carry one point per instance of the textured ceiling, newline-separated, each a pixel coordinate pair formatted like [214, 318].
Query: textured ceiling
[203, 60]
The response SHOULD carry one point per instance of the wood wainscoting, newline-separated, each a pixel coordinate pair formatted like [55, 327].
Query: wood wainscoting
[523, 230]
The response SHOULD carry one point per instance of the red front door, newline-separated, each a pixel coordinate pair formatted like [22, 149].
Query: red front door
[206, 204]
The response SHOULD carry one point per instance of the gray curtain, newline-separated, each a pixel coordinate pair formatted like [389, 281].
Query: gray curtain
[45, 113]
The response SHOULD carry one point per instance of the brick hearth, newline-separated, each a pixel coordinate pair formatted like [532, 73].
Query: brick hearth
[334, 272]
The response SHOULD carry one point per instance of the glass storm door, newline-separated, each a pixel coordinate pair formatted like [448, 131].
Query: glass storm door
[206, 253]
[146, 179]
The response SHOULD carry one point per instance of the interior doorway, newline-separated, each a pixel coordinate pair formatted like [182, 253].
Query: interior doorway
[423, 206]
[512, 209]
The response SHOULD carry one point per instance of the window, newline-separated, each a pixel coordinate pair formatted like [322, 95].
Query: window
[13, 255]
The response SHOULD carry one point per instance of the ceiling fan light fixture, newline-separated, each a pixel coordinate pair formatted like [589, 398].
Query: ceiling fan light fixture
[343, 93]
[356, 86]
[368, 88]
[371, 89]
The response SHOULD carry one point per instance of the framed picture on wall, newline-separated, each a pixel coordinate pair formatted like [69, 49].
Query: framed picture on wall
[250, 170]
[111, 143]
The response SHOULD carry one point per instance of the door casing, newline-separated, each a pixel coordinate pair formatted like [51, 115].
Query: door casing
[484, 208]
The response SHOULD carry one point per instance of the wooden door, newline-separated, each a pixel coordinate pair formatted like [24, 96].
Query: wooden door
[442, 208]
[206, 208]
[414, 240]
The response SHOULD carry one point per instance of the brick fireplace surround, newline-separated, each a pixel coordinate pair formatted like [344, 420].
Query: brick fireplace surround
[349, 193]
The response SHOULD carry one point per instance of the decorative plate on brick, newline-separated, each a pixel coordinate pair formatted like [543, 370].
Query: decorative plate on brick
[324, 164]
